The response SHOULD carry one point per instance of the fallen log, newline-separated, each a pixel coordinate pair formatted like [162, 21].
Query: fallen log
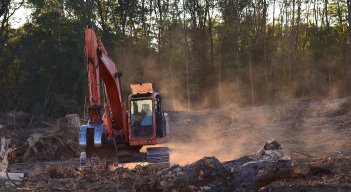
[16, 177]
[11, 179]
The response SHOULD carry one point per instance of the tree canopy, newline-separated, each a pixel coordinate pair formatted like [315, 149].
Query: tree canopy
[197, 53]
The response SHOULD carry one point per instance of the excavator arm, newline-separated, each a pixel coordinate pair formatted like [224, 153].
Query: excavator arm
[93, 77]
[100, 65]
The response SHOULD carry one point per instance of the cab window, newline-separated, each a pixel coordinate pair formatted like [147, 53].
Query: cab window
[141, 113]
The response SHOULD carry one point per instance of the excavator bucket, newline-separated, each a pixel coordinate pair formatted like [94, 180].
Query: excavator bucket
[97, 129]
[90, 135]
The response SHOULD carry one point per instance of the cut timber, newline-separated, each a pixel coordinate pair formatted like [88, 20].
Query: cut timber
[17, 177]
[4, 151]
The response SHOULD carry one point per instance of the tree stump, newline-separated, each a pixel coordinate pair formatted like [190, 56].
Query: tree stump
[70, 124]
[4, 151]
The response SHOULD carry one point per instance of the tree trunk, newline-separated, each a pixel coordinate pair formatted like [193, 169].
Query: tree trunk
[251, 83]
[4, 151]
[264, 23]
[273, 18]
[327, 46]
[315, 14]
[186, 48]
[171, 79]
[219, 81]
[349, 21]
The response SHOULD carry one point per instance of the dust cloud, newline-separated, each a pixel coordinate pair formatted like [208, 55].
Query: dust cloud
[306, 128]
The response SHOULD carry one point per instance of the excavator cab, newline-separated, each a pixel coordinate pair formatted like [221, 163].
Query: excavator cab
[148, 124]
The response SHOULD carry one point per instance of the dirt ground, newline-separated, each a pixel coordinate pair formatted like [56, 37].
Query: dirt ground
[315, 133]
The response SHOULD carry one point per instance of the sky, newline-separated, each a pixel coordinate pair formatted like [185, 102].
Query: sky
[20, 17]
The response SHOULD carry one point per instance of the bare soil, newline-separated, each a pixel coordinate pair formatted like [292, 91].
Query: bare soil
[314, 133]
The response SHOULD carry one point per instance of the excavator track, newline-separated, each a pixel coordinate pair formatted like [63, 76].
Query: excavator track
[96, 162]
[83, 160]
[157, 155]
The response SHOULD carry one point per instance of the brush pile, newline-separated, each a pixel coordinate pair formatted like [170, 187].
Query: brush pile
[34, 139]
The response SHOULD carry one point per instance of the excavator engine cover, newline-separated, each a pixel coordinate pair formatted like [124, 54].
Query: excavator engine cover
[142, 88]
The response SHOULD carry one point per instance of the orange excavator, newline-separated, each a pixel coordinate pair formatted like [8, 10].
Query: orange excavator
[118, 132]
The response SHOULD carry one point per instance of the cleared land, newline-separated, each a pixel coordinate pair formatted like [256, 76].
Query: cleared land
[314, 134]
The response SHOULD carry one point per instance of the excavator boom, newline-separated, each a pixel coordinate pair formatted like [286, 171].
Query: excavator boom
[93, 76]
[100, 64]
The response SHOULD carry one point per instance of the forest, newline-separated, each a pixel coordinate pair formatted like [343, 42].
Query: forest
[200, 54]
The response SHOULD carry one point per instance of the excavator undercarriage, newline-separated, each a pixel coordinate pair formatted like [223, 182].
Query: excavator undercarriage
[108, 153]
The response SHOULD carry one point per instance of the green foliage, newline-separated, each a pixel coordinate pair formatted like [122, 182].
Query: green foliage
[194, 52]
